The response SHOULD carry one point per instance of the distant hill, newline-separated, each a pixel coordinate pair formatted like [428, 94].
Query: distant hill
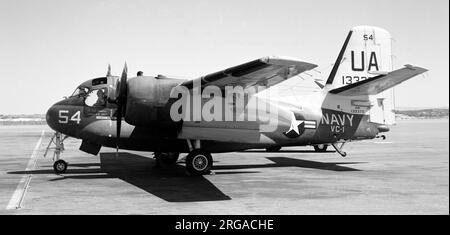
[422, 113]
[22, 119]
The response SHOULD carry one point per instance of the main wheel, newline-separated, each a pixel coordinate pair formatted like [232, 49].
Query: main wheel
[320, 147]
[199, 162]
[60, 166]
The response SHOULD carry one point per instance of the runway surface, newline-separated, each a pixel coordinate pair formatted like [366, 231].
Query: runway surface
[408, 173]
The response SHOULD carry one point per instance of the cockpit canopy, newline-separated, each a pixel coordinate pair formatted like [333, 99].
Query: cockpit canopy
[96, 92]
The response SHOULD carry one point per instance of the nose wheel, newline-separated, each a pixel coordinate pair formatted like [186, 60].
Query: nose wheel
[59, 165]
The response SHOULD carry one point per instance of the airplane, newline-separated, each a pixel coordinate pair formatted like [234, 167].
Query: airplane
[138, 113]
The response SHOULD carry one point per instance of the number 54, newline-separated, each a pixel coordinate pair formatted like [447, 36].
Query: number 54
[64, 117]
[367, 37]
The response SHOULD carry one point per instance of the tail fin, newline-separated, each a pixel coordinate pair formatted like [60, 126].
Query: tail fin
[366, 53]
[364, 68]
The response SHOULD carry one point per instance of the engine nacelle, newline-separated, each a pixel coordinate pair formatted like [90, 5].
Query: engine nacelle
[147, 100]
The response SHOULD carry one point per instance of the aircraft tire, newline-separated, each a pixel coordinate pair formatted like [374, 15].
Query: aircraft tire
[60, 166]
[199, 162]
[321, 147]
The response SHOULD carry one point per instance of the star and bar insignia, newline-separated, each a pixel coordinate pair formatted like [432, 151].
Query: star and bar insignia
[298, 127]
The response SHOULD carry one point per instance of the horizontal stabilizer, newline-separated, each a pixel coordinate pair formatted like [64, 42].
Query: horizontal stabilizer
[378, 84]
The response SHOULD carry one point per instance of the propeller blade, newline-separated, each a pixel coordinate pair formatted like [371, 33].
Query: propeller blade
[121, 103]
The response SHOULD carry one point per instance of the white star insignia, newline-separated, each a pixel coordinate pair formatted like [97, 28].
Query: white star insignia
[294, 125]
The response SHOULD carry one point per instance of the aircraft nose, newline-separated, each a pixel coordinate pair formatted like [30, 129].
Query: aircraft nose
[50, 117]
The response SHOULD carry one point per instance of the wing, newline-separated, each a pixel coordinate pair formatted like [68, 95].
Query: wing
[266, 72]
[375, 85]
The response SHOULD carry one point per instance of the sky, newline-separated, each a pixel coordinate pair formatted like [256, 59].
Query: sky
[48, 47]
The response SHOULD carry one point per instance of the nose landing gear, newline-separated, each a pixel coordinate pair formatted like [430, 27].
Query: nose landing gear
[59, 165]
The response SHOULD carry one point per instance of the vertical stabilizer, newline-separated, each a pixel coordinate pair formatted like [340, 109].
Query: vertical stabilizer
[366, 53]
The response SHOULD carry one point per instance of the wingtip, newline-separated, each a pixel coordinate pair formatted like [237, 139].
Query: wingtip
[417, 68]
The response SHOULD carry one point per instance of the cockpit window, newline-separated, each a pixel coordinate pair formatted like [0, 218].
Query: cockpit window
[80, 91]
[96, 98]
[99, 81]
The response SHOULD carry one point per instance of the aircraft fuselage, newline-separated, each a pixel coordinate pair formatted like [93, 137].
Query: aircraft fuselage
[315, 123]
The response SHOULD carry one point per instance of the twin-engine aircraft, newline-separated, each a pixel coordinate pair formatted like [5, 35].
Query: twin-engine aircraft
[230, 110]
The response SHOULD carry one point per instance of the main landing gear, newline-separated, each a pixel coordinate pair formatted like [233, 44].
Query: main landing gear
[198, 161]
[59, 165]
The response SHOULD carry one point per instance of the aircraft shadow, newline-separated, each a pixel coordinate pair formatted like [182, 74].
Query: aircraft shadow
[169, 183]
[292, 162]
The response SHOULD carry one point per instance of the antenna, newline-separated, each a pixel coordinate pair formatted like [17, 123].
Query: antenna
[108, 73]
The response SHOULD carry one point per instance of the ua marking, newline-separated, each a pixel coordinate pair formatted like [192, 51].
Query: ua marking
[64, 117]
[372, 61]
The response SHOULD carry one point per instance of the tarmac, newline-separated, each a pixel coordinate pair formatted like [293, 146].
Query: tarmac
[408, 173]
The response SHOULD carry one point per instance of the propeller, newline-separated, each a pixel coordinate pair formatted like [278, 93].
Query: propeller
[121, 100]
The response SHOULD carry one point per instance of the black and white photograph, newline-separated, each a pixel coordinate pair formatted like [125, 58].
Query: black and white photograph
[224, 108]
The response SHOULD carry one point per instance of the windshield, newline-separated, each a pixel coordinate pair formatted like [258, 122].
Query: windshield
[80, 91]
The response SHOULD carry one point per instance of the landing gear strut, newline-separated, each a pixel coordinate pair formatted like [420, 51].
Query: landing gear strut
[339, 149]
[59, 165]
